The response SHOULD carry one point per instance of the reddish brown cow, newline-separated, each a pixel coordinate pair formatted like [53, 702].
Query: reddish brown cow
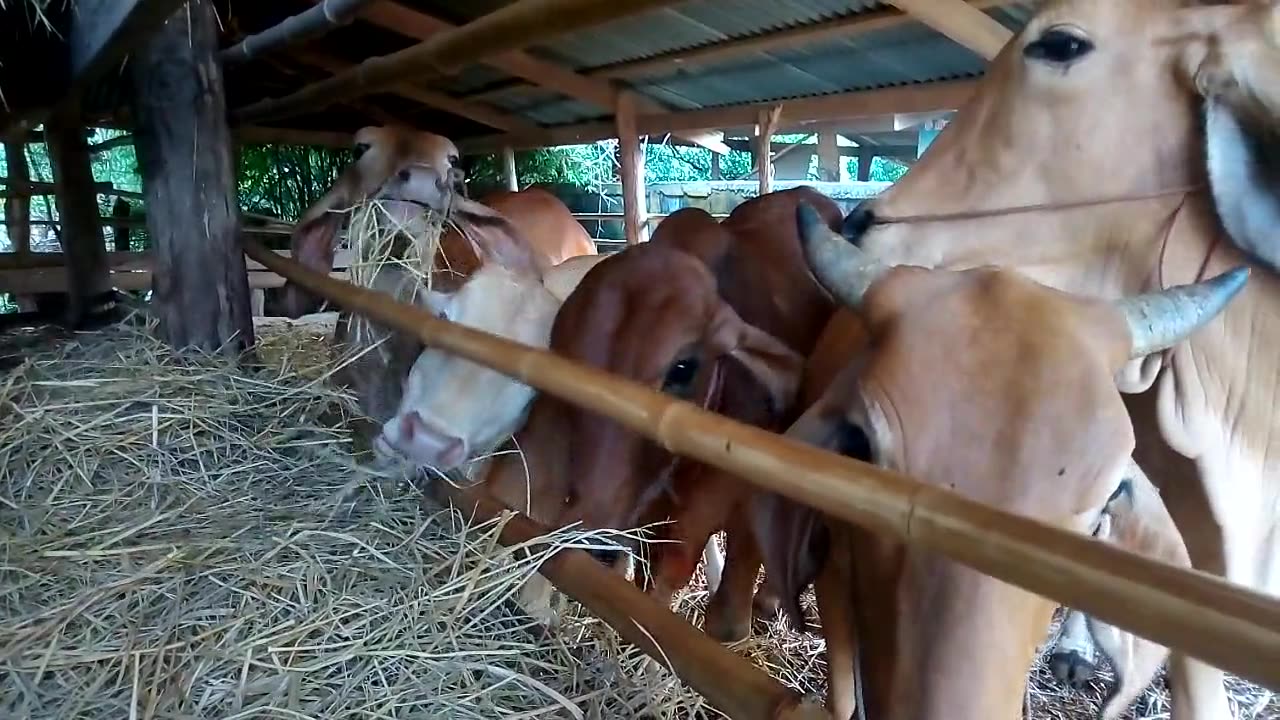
[718, 314]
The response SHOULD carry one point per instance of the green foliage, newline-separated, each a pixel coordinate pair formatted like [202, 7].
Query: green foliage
[284, 180]
[587, 166]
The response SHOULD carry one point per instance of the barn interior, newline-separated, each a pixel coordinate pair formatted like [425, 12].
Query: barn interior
[189, 527]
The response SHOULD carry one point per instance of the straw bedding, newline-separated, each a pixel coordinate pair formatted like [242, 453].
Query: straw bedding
[185, 538]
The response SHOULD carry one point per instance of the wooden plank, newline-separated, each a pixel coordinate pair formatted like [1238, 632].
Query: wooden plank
[54, 280]
[131, 261]
[634, 199]
[184, 152]
[948, 95]
[307, 25]
[511, 27]
[961, 22]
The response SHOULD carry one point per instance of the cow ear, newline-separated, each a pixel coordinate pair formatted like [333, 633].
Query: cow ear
[774, 365]
[1239, 80]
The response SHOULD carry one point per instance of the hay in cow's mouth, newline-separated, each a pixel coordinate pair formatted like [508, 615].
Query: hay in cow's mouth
[185, 538]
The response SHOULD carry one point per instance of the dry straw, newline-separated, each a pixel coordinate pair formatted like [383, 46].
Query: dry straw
[183, 538]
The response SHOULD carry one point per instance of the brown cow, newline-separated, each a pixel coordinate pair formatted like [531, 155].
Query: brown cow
[988, 384]
[1113, 148]
[694, 313]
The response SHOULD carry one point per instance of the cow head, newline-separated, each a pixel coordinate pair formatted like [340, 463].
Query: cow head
[653, 314]
[988, 384]
[1132, 103]
[453, 408]
[389, 164]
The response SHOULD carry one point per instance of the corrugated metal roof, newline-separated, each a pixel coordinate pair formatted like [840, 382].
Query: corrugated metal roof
[902, 54]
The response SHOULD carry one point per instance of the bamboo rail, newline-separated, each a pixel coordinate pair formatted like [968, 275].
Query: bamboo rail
[731, 683]
[1204, 616]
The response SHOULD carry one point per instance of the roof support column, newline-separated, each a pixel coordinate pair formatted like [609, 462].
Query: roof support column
[509, 169]
[766, 124]
[89, 292]
[635, 219]
[184, 150]
[828, 156]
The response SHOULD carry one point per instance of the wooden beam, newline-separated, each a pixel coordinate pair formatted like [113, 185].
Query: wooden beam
[634, 223]
[306, 25]
[961, 22]
[259, 135]
[509, 169]
[413, 23]
[765, 124]
[472, 111]
[511, 27]
[689, 59]
[828, 156]
[81, 236]
[184, 151]
[864, 103]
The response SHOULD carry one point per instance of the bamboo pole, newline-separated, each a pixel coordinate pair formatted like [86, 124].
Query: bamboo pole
[306, 25]
[509, 169]
[1204, 616]
[766, 124]
[731, 683]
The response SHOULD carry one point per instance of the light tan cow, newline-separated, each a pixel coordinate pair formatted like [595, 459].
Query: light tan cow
[984, 383]
[1120, 147]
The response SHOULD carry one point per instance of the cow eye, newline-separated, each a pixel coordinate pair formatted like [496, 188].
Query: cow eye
[679, 379]
[360, 149]
[1058, 45]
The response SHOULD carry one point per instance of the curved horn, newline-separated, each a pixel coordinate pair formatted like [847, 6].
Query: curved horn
[1160, 320]
[839, 266]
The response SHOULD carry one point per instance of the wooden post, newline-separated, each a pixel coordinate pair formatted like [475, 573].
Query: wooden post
[89, 297]
[184, 149]
[866, 156]
[509, 168]
[828, 156]
[716, 173]
[17, 207]
[766, 123]
[120, 230]
[635, 219]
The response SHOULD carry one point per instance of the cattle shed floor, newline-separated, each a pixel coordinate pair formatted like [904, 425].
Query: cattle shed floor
[186, 538]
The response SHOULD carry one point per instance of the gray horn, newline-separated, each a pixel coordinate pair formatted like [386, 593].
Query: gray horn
[1160, 320]
[840, 266]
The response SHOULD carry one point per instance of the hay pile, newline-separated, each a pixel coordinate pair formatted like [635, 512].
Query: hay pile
[182, 538]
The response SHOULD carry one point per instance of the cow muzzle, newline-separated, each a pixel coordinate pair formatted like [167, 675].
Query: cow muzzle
[423, 443]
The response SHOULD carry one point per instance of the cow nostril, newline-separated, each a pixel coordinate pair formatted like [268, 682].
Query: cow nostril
[404, 176]
[856, 223]
[409, 424]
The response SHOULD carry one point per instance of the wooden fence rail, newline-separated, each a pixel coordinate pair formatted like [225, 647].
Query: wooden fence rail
[1231, 627]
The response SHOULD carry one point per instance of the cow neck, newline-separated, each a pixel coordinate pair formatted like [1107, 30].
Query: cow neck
[1184, 191]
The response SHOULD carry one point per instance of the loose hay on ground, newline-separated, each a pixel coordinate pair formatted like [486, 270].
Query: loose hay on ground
[187, 539]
